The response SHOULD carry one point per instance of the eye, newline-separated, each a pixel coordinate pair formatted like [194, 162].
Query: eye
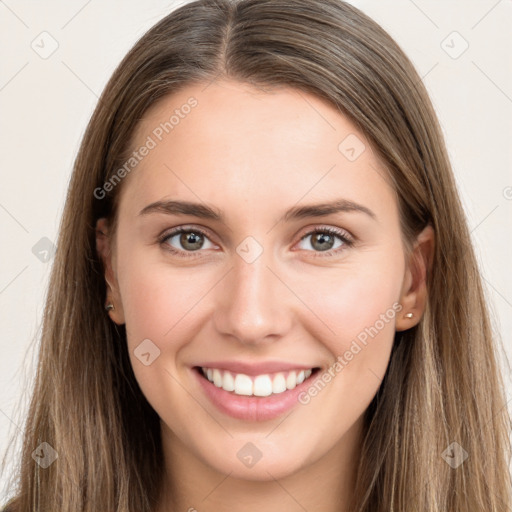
[323, 240]
[189, 239]
[183, 241]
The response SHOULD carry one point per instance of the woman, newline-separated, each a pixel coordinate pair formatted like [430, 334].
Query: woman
[264, 295]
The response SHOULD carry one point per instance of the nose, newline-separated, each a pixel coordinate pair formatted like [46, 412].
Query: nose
[253, 304]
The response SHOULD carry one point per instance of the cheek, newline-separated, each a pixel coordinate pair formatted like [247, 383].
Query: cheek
[149, 303]
[361, 314]
[163, 304]
[358, 306]
[354, 302]
[158, 303]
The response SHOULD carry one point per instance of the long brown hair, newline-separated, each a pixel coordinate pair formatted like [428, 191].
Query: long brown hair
[443, 383]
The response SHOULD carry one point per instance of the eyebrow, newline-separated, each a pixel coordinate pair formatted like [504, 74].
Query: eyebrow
[204, 211]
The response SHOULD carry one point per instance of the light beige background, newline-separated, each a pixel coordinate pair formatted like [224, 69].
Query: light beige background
[45, 104]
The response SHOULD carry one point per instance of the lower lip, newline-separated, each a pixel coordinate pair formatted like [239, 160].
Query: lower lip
[252, 408]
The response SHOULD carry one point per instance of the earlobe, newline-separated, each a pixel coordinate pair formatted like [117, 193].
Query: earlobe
[113, 305]
[414, 293]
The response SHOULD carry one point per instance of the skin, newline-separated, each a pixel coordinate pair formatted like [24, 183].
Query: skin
[253, 154]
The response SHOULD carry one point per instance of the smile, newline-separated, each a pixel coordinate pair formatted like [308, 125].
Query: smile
[259, 385]
[255, 397]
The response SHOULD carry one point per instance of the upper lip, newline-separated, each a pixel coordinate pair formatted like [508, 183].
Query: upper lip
[256, 368]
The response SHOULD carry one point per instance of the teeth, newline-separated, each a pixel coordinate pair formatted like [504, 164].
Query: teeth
[228, 382]
[243, 384]
[261, 385]
[279, 383]
[291, 380]
[217, 378]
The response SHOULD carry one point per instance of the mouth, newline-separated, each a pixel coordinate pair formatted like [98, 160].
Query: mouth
[254, 397]
[256, 385]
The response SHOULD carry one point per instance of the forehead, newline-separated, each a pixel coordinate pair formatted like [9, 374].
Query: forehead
[230, 141]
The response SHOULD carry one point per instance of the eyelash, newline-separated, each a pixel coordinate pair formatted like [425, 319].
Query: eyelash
[342, 235]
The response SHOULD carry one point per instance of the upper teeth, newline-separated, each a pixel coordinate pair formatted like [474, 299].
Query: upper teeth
[259, 385]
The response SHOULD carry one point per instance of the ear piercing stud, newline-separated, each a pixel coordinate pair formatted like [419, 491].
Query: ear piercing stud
[409, 315]
[110, 307]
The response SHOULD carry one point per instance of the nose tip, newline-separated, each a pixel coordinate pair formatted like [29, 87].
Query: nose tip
[252, 305]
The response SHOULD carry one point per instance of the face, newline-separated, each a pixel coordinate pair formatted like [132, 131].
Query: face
[291, 310]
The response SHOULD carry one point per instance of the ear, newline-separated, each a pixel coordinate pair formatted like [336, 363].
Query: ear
[104, 249]
[414, 294]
